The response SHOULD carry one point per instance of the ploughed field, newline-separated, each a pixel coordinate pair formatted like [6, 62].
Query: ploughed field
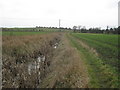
[59, 60]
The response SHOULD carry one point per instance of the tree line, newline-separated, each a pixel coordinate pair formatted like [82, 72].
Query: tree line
[78, 29]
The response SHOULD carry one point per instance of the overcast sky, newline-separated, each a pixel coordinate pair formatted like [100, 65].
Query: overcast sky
[89, 13]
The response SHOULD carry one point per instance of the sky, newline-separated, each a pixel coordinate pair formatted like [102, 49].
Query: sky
[31, 13]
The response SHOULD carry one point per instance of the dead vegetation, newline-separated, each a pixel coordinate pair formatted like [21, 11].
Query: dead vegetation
[42, 61]
[67, 70]
[19, 52]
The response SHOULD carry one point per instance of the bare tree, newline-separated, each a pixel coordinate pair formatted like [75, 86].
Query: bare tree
[74, 28]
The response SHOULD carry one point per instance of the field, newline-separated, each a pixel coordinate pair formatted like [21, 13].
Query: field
[21, 33]
[101, 55]
[59, 59]
[105, 45]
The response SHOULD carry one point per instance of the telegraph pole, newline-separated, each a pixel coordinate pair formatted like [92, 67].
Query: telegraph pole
[59, 23]
[107, 27]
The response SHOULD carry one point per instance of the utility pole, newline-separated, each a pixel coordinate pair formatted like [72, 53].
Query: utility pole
[107, 27]
[59, 23]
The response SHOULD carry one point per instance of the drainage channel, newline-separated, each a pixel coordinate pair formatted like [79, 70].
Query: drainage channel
[39, 65]
[28, 70]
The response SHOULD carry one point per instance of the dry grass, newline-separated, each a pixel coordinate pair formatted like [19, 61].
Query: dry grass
[63, 67]
[18, 52]
[67, 69]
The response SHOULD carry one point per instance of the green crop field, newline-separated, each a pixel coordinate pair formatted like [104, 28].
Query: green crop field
[21, 33]
[103, 68]
[105, 45]
[30, 31]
